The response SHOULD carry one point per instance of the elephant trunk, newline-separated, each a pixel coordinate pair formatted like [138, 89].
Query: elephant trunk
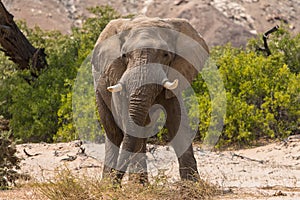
[143, 85]
[139, 106]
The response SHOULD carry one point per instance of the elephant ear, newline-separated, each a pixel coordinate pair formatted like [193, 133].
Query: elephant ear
[191, 54]
[106, 54]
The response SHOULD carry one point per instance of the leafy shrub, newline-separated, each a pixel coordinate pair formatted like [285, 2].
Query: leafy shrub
[284, 43]
[41, 110]
[262, 93]
[77, 113]
[34, 104]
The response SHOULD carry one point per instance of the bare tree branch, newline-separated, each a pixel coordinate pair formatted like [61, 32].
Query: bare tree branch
[246, 158]
[265, 39]
[16, 46]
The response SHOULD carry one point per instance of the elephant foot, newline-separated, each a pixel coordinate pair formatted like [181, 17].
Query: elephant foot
[189, 174]
[108, 172]
[144, 178]
[118, 178]
[139, 178]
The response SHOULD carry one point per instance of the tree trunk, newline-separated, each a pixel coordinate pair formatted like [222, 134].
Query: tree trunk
[16, 46]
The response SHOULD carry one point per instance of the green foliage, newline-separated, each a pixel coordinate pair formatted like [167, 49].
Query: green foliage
[262, 93]
[77, 114]
[66, 130]
[284, 43]
[6, 71]
[9, 162]
[42, 110]
[34, 105]
[261, 96]
[79, 109]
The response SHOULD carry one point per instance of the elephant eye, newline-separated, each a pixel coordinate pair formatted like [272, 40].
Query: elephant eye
[166, 54]
[124, 55]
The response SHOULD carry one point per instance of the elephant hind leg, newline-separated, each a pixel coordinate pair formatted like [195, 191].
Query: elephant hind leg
[187, 166]
[186, 159]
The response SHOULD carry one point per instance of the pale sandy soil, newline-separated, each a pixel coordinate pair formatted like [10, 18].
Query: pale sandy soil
[267, 172]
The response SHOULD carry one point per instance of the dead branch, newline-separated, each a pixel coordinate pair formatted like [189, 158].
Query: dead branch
[30, 155]
[265, 39]
[88, 167]
[16, 46]
[246, 158]
[69, 158]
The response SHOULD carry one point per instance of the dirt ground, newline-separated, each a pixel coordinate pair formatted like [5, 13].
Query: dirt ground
[266, 172]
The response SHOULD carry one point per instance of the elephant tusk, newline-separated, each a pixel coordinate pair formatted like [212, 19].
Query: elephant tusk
[171, 85]
[115, 88]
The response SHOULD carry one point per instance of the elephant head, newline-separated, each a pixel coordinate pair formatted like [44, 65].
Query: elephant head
[139, 63]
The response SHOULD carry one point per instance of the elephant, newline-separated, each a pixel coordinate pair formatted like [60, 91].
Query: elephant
[140, 68]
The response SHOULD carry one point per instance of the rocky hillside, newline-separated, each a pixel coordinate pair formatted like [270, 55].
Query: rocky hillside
[219, 21]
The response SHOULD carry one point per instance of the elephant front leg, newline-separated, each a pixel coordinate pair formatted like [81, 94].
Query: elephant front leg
[133, 155]
[181, 138]
[111, 156]
[114, 137]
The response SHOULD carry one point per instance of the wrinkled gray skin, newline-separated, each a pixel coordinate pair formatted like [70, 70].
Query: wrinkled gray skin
[124, 54]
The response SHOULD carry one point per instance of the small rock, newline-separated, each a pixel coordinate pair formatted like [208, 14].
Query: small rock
[70, 158]
[296, 157]
[55, 153]
[253, 32]
[227, 191]
[279, 193]
[77, 143]
[49, 15]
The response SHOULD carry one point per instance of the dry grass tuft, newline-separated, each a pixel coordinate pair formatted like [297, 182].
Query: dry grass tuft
[67, 186]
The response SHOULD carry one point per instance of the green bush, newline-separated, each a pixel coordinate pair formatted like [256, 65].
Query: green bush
[34, 104]
[284, 43]
[262, 93]
[41, 110]
[77, 113]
